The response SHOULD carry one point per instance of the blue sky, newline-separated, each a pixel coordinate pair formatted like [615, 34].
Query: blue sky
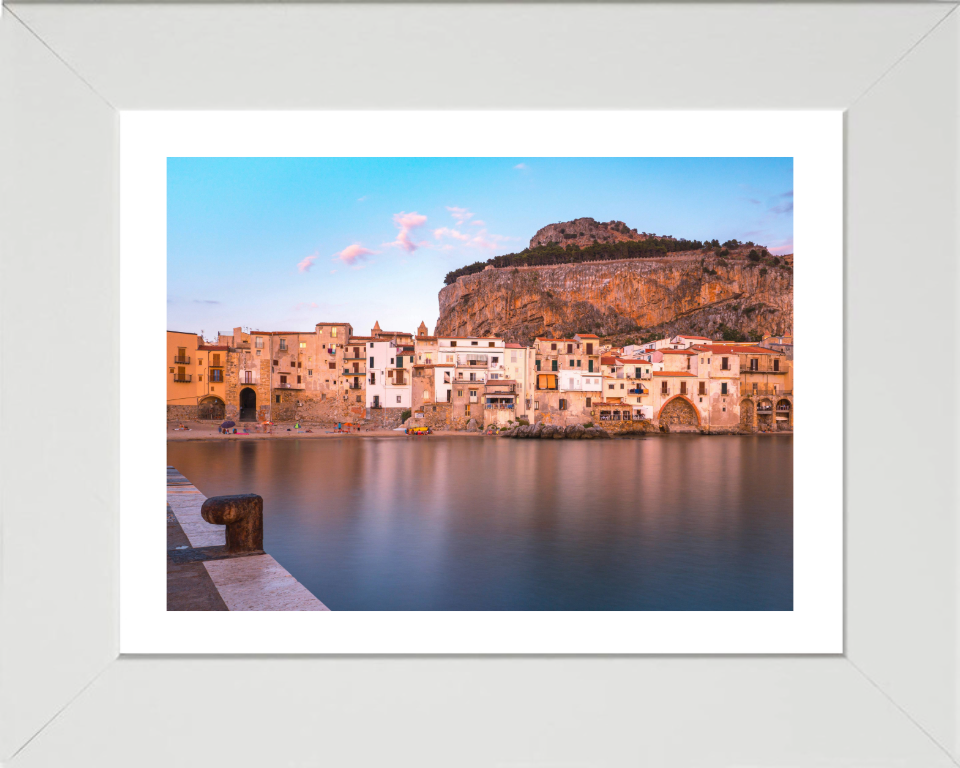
[285, 243]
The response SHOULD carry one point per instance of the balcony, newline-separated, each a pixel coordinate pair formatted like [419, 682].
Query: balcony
[348, 372]
[355, 386]
[288, 385]
[766, 391]
[637, 392]
[181, 360]
[499, 406]
[182, 378]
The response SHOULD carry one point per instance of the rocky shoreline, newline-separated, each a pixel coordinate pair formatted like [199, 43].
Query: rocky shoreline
[543, 431]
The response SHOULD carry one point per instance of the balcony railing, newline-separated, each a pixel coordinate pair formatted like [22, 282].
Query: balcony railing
[181, 360]
[348, 372]
[766, 392]
[182, 377]
[289, 385]
[355, 386]
[499, 406]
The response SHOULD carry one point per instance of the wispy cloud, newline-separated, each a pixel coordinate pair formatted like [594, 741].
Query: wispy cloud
[361, 199]
[305, 305]
[353, 253]
[406, 223]
[205, 301]
[462, 215]
[751, 200]
[782, 208]
[333, 271]
[521, 167]
[305, 264]
[478, 223]
[447, 232]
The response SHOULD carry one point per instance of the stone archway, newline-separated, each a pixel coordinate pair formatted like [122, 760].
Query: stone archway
[678, 414]
[748, 416]
[784, 408]
[248, 404]
[765, 415]
[212, 408]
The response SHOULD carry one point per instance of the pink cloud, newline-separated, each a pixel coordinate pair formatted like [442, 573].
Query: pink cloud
[304, 266]
[353, 253]
[446, 232]
[306, 305]
[462, 215]
[478, 223]
[406, 222]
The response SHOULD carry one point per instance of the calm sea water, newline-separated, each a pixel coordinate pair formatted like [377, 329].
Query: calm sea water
[456, 523]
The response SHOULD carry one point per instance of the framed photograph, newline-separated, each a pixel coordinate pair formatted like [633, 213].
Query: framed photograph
[589, 329]
[397, 308]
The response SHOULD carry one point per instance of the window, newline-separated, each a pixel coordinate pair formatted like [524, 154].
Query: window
[754, 363]
[688, 363]
[333, 332]
[553, 347]
[371, 360]
[536, 405]
[610, 386]
[590, 348]
[259, 342]
[392, 363]
[553, 366]
[216, 361]
[358, 398]
[200, 361]
[278, 398]
[569, 349]
[724, 363]
[663, 388]
[453, 343]
[492, 344]
[776, 365]
[538, 365]
[459, 393]
[683, 387]
[495, 359]
[373, 377]
[621, 386]
[563, 405]
[303, 345]
[299, 379]
[473, 343]
[309, 371]
[258, 353]
[200, 377]
[723, 388]
[588, 402]
[171, 370]
[283, 380]
[473, 376]
[571, 363]
[703, 387]
[276, 362]
[371, 345]
[579, 363]
[299, 364]
[398, 398]
[283, 344]
[216, 375]
[513, 357]
[590, 365]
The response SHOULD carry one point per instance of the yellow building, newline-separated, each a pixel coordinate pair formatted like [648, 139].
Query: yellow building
[187, 376]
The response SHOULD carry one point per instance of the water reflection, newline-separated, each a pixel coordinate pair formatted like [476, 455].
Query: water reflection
[454, 523]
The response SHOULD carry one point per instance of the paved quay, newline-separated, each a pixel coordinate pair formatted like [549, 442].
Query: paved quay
[203, 576]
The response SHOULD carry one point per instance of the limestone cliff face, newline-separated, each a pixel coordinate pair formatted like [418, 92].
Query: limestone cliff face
[682, 293]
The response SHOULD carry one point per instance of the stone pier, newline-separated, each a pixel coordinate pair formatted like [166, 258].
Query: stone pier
[203, 575]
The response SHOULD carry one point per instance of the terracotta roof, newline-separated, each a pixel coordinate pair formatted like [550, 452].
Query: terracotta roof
[677, 352]
[684, 336]
[514, 346]
[565, 341]
[633, 361]
[587, 335]
[674, 373]
[608, 360]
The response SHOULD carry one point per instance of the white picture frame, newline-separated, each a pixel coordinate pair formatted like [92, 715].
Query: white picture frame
[66, 697]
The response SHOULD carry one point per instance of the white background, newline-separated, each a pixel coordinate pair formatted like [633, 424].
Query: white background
[814, 140]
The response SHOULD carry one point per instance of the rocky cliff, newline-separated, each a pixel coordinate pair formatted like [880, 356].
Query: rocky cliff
[692, 292]
[586, 231]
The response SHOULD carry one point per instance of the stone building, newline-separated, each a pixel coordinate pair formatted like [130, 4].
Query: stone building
[568, 379]
[626, 392]
[766, 389]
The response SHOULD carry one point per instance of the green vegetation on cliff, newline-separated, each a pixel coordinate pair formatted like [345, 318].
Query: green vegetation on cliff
[572, 254]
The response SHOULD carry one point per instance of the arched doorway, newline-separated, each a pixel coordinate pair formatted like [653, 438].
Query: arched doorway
[784, 414]
[679, 415]
[747, 416]
[765, 416]
[248, 404]
[212, 408]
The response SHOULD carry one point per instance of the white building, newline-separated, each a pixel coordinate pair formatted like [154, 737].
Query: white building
[475, 359]
[521, 365]
[389, 384]
[580, 381]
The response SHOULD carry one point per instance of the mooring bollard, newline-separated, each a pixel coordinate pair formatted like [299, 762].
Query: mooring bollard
[243, 516]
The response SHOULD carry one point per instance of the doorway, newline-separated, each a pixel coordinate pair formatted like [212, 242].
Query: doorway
[248, 404]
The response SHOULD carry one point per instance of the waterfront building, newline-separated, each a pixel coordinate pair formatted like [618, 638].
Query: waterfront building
[188, 384]
[626, 389]
[568, 379]
[520, 366]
